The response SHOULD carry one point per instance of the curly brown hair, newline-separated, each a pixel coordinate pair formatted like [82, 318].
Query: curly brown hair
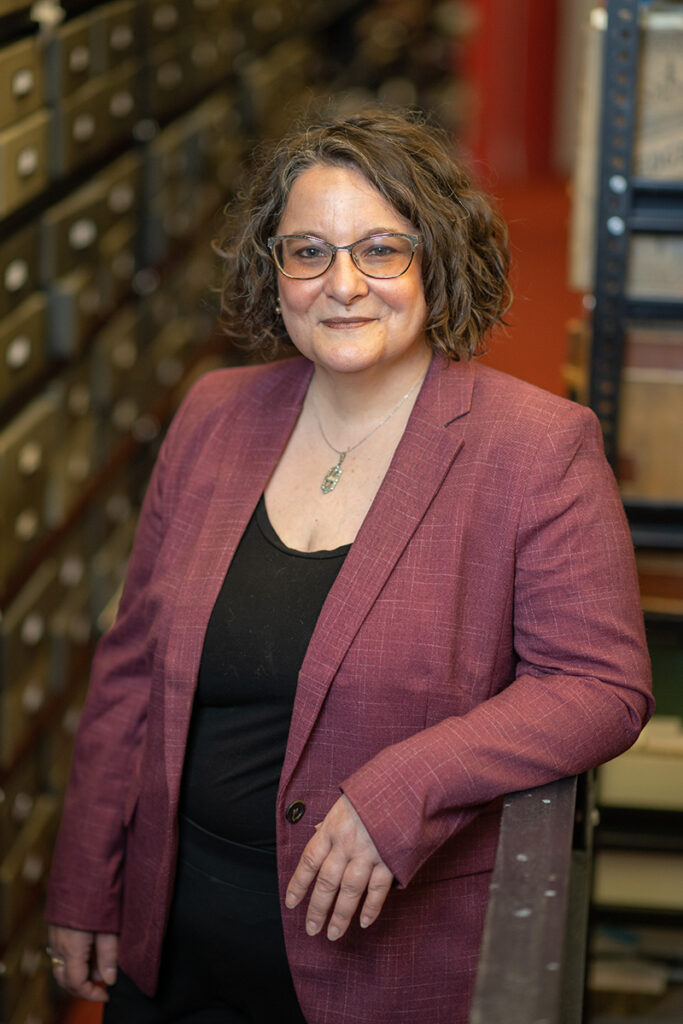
[410, 162]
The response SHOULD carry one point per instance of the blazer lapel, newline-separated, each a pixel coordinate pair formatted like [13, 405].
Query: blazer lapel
[254, 438]
[422, 459]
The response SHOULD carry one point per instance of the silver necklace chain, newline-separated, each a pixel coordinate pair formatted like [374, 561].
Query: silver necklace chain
[331, 478]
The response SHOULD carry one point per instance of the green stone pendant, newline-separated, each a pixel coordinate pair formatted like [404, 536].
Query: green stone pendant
[332, 476]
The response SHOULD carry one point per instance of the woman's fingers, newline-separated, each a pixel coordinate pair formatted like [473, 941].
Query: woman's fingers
[379, 885]
[106, 957]
[70, 951]
[309, 864]
[347, 869]
[370, 880]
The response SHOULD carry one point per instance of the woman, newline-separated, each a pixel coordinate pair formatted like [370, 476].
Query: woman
[374, 588]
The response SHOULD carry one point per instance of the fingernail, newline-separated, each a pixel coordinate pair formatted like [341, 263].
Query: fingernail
[311, 928]
[365, 922]
[332, 933]
[109, 975]
[290, 900]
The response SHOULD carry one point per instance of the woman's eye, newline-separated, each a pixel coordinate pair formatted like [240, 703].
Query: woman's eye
[310, 252]
[378, 252]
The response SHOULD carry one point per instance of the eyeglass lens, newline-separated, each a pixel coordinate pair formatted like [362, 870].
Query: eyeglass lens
[387, 255]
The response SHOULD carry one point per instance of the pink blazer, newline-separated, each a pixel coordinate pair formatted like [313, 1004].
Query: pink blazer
[484, 635]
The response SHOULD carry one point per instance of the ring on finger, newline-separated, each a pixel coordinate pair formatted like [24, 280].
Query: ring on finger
[55, 959]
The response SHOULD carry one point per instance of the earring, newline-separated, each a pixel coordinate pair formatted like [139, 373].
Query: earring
[278, 311]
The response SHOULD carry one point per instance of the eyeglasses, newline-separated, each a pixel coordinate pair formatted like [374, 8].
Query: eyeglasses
[382, 256]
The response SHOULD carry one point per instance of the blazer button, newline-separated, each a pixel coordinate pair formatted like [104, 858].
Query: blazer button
[295, 811]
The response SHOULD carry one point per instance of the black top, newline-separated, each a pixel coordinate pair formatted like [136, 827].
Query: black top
[255, 643]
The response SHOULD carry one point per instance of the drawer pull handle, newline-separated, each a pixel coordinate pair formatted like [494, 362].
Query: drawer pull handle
[165, 17]
[83, 128]
[16, 275]
[78, 468]
[23, 83]
[26, 525]
[79, 629]
[169, 371]
[90, 301]
[22, 807]
[124, 414]
[33, 868]
[121, 104]
[78, 400]
[18, 352]
[124, 354]
[71, 571]
[33, 629]
[121, 198]
[30, 458]
[119, 508]
[79, 59]
[123, 265]
[28, 160]
[169, 75]
[121, 38]
[82, 233]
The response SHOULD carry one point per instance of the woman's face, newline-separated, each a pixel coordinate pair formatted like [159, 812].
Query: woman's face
[344, 321]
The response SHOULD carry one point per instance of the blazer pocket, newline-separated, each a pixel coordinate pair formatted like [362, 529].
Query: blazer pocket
[466, 853]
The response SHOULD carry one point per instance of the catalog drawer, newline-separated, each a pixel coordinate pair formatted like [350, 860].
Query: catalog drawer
[21, 701]
[121, 184]
[23, 970]
[60, 740]
[109, 566]
[168, 77]
[22, 345]
[25, 625]
[122, 102]
[78, 131]
[113, 34]
[19, 257]
[118, 254]
[163, 20]
[114, 359]
[71, 635]
[23, 161]
[26, 445]
[17, 799]
[78, 302]
[74, 466]
[23, 871]
[21, 81]
[71, 229]
[69, 59]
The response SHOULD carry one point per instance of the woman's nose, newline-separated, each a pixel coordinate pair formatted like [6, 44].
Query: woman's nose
[343, 280]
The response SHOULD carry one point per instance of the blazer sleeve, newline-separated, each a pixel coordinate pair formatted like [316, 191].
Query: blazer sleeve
[581, 690]
[85, 882]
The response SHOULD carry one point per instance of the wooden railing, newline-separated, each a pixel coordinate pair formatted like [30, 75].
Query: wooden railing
[533, 955]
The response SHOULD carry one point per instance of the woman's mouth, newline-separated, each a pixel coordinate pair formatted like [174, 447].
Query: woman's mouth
[340, 323]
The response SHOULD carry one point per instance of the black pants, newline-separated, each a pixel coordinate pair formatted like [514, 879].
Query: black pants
[224, 956]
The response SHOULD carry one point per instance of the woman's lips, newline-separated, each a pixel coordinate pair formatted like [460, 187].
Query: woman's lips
[347, 323]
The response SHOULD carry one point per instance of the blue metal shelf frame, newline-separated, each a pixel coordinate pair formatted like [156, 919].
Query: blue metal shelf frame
[625, 205]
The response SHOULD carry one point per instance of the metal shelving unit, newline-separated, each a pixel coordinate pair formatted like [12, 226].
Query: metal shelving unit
[629, 205]
[626, 206]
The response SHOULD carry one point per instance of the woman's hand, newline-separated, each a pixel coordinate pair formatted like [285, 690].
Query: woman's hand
[347, 865]
[81, 960]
